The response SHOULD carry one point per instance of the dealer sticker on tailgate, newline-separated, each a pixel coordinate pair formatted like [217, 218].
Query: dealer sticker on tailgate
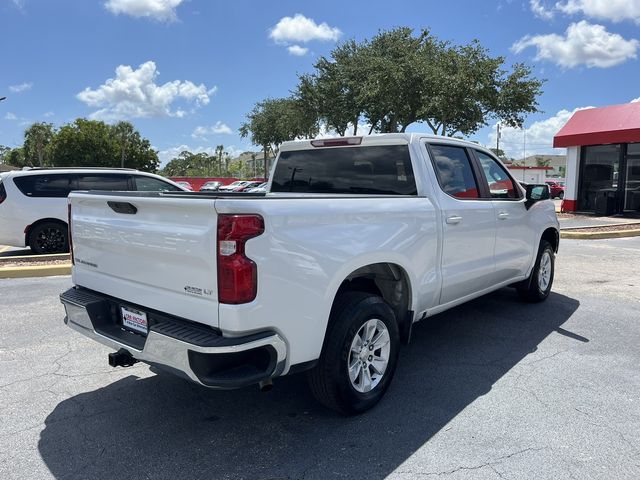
[134, 320]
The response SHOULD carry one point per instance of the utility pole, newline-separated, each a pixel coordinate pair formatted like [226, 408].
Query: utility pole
[497, 138]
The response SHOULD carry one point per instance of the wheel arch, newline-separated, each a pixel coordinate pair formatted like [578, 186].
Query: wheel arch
[391, 282]
[29, 228]
[552, 235]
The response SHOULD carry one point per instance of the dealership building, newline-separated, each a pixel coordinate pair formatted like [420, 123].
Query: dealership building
[603, 160]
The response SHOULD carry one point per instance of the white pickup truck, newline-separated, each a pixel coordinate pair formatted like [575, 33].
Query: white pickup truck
[357, 239]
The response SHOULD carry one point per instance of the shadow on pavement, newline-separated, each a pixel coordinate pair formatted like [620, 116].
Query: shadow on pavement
[164, 427]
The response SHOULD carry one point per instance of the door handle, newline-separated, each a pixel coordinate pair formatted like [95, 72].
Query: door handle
[453, 219]
[503, 215]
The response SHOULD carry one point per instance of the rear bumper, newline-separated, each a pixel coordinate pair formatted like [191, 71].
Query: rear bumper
[187, 349]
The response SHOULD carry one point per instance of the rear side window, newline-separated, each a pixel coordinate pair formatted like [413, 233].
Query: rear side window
[454, 171]
[150, 184]
[3, 192]
[384, 170]
[103, 182]
[52, 185]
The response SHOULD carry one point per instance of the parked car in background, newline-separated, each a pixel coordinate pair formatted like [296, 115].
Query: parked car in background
[33, 203]
[232, 186]
[247, 186]
[185, 185]
[556, 189]
[262, 188]
[211, 186]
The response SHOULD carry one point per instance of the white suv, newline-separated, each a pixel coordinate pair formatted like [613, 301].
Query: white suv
[33, 203]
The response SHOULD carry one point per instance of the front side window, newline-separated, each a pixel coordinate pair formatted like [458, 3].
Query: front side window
[500, 183]
[377, 170]
[150, 184]
[454, 171]
[50, 185]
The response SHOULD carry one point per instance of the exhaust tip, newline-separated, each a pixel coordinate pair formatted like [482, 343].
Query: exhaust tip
[265, 385]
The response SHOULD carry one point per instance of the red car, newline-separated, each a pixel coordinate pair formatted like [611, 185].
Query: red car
[557, 190]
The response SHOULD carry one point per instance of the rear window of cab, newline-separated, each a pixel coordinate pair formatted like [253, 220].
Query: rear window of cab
[379, 170]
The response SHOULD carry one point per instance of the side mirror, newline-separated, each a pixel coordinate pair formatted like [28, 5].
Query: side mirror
[536, 193]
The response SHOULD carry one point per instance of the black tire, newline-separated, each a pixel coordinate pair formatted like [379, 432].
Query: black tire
[49, 237]
[561, 195]
[532, 289]
[329, 379]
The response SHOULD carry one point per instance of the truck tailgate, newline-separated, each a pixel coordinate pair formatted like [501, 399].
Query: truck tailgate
[160, 254]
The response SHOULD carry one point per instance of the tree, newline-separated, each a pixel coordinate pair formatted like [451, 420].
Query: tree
[501, 155]
[4, 153]
[124, 134]
[36, 140]
[333, 92]
[397, 78]
[468, 88]
[92, 143]
[188, 164]
[219, 159]
[543, 162]
[274, 121]
[15, 157]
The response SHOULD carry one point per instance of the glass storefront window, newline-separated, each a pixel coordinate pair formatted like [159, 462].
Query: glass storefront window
[633, 149]
[599, 178]
[632, 185]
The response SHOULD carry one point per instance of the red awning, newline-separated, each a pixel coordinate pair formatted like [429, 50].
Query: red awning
[597, 126]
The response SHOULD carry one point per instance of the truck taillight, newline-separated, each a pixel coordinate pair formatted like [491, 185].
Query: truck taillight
[237, 274]
[69, 228]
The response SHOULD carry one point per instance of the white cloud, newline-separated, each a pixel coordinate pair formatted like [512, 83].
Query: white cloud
[635, 100]
[48, 114]
[583, 43]
[170, 153]
[539, 10]
[613, 10]
[23, 87]
[299, 28]
[220, 128]
[135, 94]
[161, 10]
[19, 4]
[10, 116]
[537, 139]
[297, 50]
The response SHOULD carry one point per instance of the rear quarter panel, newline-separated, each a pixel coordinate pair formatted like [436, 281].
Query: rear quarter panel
[309, 248]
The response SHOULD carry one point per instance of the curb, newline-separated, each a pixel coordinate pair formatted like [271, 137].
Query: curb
[34, 258]
[35, 271]
[603, 225]
[599, 235]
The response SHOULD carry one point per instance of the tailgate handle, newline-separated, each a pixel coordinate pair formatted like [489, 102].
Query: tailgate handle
[123, 207]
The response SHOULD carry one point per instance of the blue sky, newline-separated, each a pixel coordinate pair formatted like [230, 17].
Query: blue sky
[186, 72]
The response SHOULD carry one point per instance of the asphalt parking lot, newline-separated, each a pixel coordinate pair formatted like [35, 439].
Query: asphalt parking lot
[492, 389]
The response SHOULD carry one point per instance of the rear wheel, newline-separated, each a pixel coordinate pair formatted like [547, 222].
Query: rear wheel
[538, 287]
[561, 195]
[359, 355]
[49, 237]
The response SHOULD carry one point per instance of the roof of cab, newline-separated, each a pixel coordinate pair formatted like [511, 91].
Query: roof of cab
[379, 139]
